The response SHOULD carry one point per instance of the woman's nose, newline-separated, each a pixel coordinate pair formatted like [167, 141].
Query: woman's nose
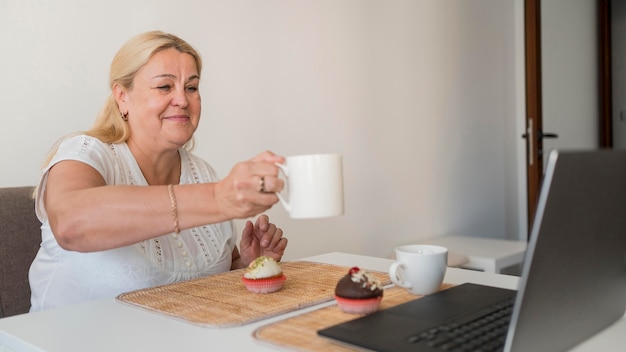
[180, 98]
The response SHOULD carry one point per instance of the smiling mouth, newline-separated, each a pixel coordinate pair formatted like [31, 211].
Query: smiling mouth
[177, 117]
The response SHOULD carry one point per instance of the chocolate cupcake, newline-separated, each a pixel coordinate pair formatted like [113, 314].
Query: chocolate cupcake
[358, 292]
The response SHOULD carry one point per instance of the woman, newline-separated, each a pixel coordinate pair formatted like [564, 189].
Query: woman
[126, 205]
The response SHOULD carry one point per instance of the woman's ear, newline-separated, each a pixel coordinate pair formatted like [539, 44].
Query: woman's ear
[119, 94]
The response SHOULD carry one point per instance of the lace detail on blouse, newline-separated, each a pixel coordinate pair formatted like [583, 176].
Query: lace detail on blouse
[193, 172]
[158, 252]
[85, 146]
[207, 244]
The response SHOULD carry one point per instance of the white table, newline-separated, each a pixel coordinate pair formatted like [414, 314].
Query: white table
[107, 325]
[488, 254]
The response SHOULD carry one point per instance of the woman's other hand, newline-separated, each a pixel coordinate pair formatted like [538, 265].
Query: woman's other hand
[261, 238]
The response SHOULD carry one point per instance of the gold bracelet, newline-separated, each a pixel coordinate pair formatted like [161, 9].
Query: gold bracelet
[170, 189]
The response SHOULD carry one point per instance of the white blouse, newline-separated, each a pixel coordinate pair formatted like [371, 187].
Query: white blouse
[59, 277]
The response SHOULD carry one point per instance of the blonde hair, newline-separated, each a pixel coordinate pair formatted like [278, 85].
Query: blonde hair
[109, 127]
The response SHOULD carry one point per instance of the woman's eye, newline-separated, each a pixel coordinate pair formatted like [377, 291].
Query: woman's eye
[192, 89]
[164, 87]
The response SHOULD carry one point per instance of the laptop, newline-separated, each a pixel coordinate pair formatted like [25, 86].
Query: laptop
[572, 284]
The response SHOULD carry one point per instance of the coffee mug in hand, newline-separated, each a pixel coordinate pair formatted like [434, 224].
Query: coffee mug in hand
[419, 268]
[314, 185]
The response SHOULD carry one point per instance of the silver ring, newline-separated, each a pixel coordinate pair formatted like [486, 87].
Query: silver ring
[262, 184]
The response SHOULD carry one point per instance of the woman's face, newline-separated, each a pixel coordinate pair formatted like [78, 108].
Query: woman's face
[163, 104]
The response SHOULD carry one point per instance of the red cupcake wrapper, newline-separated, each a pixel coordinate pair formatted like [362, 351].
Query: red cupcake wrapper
[264, 285]
[358, 306]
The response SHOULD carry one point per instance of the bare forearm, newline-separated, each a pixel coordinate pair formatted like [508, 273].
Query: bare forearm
[106, 217]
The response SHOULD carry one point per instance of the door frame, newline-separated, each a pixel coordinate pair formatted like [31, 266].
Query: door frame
[606, 90]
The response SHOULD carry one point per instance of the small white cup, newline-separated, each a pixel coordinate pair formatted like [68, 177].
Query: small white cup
[419, 268]
[314, 185]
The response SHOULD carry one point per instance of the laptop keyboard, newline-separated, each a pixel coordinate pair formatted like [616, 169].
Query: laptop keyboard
[484, 330]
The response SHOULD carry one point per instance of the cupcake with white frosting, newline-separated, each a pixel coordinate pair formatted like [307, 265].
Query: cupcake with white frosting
[264, 275]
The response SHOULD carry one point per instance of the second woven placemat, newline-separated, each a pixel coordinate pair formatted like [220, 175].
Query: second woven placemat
[222, 300]
[300, 332]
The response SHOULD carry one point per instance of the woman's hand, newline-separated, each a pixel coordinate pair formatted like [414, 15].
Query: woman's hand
[261, 238]
[250, 187]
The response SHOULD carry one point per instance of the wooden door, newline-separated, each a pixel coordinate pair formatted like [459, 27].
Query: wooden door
[534, 162]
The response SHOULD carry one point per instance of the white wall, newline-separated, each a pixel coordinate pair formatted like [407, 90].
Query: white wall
[569, 55]
[421, 97]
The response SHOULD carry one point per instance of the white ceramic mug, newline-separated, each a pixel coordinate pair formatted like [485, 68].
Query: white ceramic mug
[419, 268]
[314, 185]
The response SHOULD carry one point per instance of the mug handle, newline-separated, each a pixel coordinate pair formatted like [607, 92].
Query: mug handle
[396, 276]
[282, 199]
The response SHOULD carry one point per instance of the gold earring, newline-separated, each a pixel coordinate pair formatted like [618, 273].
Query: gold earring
[124, 116]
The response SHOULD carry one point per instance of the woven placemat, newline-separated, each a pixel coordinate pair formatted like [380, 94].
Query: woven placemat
[300, 332]
[222, 300]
